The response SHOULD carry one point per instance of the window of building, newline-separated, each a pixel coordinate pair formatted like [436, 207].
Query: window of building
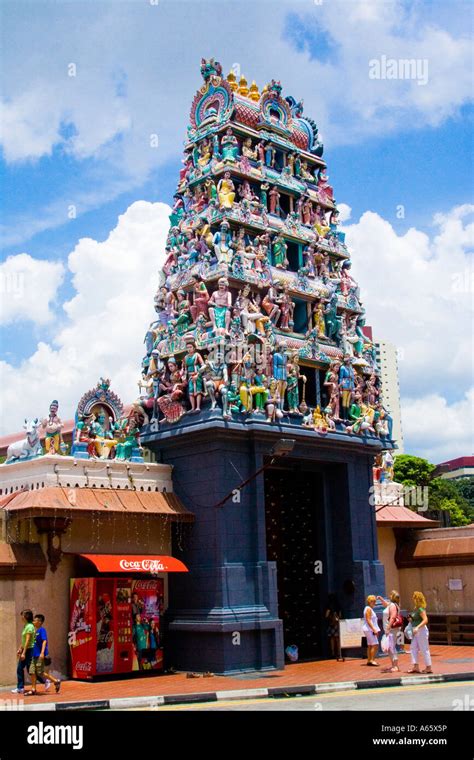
[294, 256]
[284, 204]
[300, 316]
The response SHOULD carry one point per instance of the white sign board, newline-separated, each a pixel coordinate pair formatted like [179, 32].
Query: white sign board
[350, 633]
[455, 584]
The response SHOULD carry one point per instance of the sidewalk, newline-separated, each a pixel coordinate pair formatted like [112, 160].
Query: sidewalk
[449, 663]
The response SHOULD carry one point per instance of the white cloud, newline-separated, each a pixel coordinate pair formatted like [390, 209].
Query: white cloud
[122, 94]
[27, 288]
[345, 212]
[418, 294]
[438, 430]
[141, 86]
[115, 281]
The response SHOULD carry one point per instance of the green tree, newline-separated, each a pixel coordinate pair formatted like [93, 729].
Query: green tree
[465, 487]
[443, 494]
[411, 470]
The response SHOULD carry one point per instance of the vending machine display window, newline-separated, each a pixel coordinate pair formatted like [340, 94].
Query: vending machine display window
[115, 625]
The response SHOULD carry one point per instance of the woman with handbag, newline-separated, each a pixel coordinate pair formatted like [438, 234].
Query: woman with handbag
[392, 624]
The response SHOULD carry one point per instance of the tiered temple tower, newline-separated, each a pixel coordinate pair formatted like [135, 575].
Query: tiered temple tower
[260, 336]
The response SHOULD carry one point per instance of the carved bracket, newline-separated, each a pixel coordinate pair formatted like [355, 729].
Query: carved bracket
[54, 527]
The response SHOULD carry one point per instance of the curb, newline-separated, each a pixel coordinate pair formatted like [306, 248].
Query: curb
[279, 692]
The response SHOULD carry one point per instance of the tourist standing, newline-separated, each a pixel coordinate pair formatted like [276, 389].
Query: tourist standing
[420, 640]
[392, 623]
[333, 615]
[371, 630]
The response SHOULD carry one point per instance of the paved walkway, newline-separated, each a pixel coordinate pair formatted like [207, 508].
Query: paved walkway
[446, 660]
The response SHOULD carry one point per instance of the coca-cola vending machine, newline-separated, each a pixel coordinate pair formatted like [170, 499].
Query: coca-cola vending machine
[115, 626]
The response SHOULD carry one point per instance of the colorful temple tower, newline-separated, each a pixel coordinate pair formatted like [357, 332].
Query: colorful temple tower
[259, 337]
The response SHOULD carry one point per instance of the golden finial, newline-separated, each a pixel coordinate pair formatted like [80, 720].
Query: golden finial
[243, 89]
[232, 81]
[253, 92]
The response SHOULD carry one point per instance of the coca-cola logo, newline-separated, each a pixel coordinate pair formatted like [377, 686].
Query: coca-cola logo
[85, 666]
[145, 565]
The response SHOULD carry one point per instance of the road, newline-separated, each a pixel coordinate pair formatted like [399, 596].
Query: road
[434, 697]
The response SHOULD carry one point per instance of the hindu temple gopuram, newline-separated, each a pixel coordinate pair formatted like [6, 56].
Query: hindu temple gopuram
[259, 349]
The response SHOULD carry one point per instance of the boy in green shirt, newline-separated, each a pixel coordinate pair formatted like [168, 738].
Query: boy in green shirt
[25, 651]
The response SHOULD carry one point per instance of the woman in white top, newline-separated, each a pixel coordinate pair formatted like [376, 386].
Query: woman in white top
[391, 627]
[371, 629]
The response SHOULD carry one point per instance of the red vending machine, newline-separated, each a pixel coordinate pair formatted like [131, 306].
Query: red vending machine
[115, 626]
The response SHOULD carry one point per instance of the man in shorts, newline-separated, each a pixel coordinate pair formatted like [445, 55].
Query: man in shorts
[40, 651]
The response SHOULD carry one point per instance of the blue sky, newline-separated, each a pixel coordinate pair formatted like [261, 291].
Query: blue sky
[82, 141]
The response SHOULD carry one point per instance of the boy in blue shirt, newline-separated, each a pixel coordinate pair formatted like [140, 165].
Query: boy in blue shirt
[40, 651]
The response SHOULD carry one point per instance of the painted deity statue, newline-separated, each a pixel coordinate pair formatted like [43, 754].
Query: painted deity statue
[280, 371]
[183, 307]
[219, 306]
[254, 392]
[280, 249]
[200, 298]
[348, 285]
[211, 190]
[53, 425]
[331, 382]
[274, 201]
[361, 415]
[202, 153]
[318, 316]
[246, 193]
[320, 225]
[287, 307]
[270, 305]
[292, 388]
[346, 385]
[273, 402]
[229, 146]
[192, 364]
[324, 189]
[250, 312]
[226, 191]
[264, 188]
[104, 441]
[332, 321]
[223, 244]
[216, 382]
[172, 387]
[305, 172]
[247, 150]
[129, 438]
[269, 154]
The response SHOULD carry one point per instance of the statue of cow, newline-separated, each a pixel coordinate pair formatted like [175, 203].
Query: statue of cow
[28, 447]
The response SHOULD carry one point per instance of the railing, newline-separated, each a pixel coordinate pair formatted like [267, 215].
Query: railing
[451, 628]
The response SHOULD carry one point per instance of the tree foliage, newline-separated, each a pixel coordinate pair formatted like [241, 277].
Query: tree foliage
[453, 496]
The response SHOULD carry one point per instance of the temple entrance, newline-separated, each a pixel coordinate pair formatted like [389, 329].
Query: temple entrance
[294, 510]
